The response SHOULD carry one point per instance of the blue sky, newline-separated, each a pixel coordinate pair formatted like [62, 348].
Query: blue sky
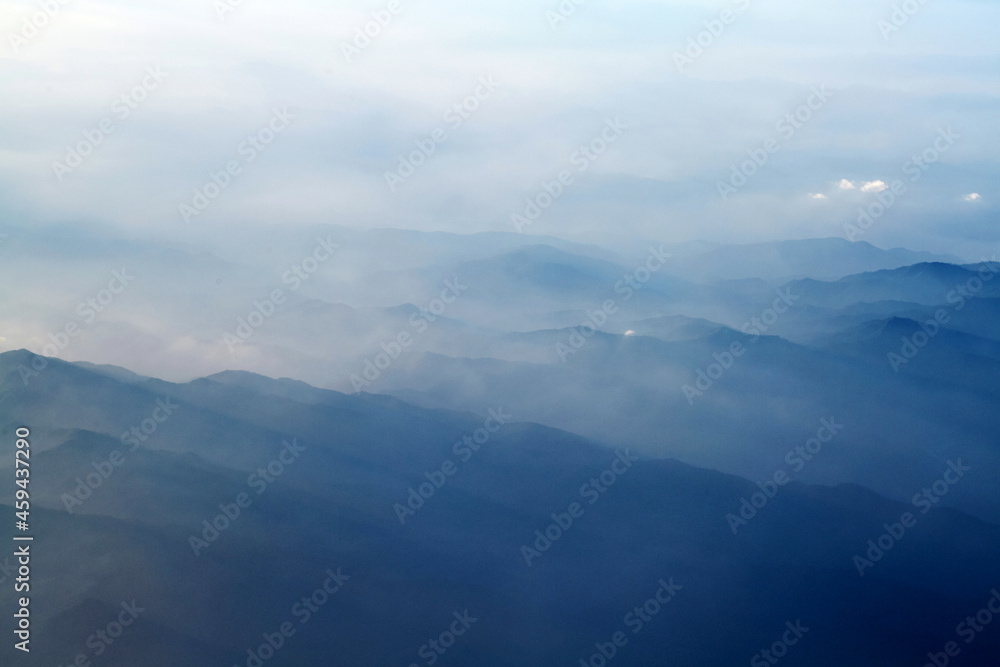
[890, 94]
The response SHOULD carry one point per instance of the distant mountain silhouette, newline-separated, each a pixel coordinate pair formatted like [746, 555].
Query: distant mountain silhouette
[332, 509]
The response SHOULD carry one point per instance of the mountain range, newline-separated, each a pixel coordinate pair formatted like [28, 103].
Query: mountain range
[551, 438]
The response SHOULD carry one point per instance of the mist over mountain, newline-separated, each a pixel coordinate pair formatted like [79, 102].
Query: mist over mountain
[736, 371]
[824, 259]
[342, 509]
[732, 429]
[475, 334]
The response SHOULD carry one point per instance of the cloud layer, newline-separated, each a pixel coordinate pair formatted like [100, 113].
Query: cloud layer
[369, 85]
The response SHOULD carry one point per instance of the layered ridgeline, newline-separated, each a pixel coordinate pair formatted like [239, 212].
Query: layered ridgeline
[908, 360]
[239, 520]
[722, 356]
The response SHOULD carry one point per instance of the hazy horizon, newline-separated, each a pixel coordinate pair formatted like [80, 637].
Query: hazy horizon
[199, 78]
[603, 333]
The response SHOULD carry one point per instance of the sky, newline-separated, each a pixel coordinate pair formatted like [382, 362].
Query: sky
[725, 121]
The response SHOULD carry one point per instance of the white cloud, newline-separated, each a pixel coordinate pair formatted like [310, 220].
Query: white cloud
[874, 186]
[818, 196]
[975, 196]
[866, 186]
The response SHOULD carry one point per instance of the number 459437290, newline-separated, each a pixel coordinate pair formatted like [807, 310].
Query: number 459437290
[23, 473]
